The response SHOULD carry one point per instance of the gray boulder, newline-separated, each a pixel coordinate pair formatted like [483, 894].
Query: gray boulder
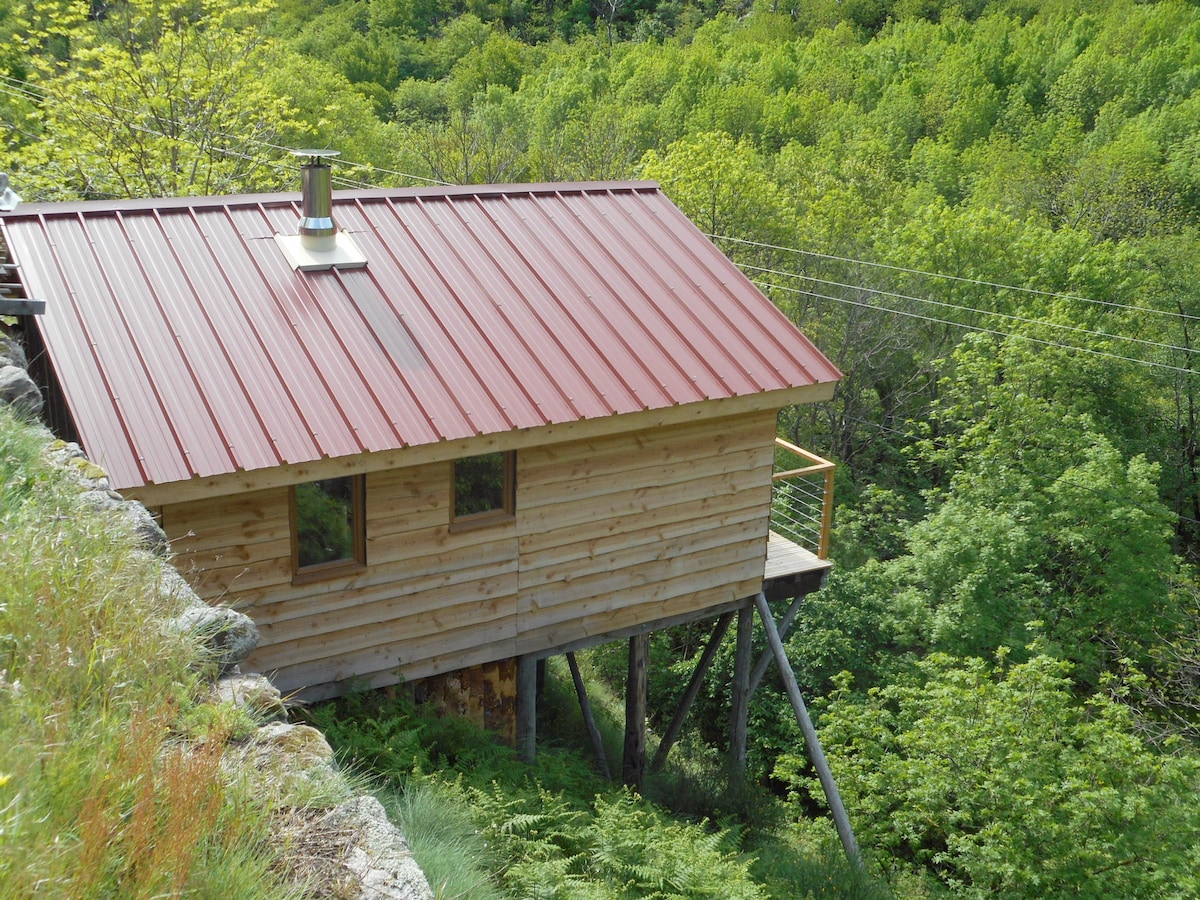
[374, 853]
[286, 761]
[72, 460]
[227, 635]
[148, 532]
[11, 352]
[252, 692]
[173, 590]
[19, 391]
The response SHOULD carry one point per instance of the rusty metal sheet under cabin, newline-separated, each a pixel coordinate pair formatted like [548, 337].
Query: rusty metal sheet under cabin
[187, 347]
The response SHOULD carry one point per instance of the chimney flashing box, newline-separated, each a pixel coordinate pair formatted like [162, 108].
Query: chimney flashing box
[318, 244]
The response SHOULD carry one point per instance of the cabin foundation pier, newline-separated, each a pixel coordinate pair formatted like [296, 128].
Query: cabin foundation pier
[739, 707]
[527, 669]
[633, 764]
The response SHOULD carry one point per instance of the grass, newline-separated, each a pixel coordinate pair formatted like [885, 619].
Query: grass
[104, 791]
[443, 838]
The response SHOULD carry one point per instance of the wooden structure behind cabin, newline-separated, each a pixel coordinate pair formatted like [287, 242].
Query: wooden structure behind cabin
[618, 376]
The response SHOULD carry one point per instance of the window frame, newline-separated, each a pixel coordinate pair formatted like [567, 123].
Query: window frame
[504, 513]
[358, 526]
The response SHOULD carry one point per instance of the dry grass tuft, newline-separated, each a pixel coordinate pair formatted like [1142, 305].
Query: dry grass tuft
[311, 850]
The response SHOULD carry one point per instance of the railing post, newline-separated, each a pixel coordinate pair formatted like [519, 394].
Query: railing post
[816, 466]
[826, 516]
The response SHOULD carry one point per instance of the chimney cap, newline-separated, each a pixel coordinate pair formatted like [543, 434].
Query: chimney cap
[317, 155]
[319, 244]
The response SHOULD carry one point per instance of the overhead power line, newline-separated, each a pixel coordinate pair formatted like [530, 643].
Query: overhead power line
[15, 87]
[993, 331]
[971, 309]
[958, 278]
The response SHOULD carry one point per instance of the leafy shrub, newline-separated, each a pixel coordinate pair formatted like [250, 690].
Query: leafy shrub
[997, 780]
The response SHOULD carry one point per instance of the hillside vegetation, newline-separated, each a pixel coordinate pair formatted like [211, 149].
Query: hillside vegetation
[985, 212]
[111, 775]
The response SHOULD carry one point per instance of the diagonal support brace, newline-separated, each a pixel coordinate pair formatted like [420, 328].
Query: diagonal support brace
[815, 754]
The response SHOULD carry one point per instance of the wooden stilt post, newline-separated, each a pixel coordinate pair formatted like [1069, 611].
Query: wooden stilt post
[764, 658]
[739, 712]
[633, 764]
[689, 695]
[815, 754]
[588, 719]
[527, 708]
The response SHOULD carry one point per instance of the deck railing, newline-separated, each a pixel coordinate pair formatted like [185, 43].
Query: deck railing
[802, 497]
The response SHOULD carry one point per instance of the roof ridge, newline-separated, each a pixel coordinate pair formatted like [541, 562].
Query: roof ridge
[285, 198]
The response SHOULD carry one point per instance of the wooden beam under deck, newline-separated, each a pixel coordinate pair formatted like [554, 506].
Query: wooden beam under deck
[791, 570]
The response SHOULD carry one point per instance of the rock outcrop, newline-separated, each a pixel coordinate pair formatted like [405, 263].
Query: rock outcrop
[348, 850]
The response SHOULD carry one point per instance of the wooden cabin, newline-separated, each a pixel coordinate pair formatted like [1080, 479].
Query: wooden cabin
[461, 425]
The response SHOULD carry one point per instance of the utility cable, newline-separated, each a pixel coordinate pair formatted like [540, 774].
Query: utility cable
[970, 309]
[978, 328]
[959, 278]
[16, 87]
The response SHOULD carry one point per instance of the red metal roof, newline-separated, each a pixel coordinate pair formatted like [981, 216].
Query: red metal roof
[187, 346]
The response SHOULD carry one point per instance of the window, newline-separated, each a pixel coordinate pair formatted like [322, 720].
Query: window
[484, 488]
[328, 526]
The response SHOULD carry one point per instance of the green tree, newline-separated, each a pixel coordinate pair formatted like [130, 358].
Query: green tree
[723, 185]
[1041, 518]
[157, 99]
[996, 780]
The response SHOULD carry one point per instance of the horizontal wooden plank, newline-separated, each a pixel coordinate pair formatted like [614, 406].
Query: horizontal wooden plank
[455, 567]
[693, 468]
[596, 626]
[205, 515]
[691, 571]
[399, 498]
[629, 556]
[391, 675]
[218, 537]
[460, 659]
[423, 610]
[239, 554]
[683, 617]
[715, 495]
[481, 642]
[425, 629]
[605, 457]
[423, 548]
[669, 523]
[411, 481]
[228, 584]
[565, 452]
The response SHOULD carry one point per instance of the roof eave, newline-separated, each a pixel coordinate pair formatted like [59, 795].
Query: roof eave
[157, 495]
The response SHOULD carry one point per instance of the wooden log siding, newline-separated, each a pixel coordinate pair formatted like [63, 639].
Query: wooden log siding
[609, 533]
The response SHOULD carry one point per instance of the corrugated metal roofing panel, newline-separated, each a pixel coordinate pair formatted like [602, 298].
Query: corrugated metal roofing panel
[188, 347]
[587, 337]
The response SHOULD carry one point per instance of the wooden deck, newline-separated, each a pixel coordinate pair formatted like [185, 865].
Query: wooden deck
[791, 569]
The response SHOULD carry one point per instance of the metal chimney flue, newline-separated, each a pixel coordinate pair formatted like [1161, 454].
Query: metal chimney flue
[316, 204]
[318, 244]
